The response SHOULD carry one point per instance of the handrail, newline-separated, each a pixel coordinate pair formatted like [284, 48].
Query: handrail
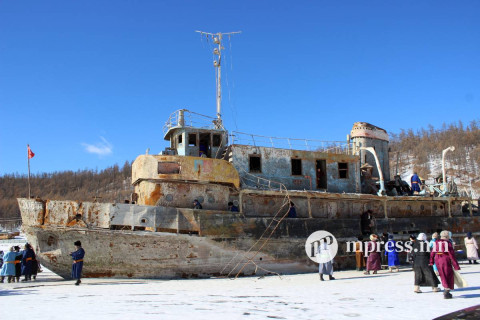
[339, 147]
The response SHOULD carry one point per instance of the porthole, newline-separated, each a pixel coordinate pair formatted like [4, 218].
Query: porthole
[51, 240]
[143, 220]
[169, 197]
[211, 200]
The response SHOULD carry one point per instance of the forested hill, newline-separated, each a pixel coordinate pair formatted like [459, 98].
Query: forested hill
[421, 151]
[109, 185]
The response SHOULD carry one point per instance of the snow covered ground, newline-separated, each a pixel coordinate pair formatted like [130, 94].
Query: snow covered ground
[351, 296]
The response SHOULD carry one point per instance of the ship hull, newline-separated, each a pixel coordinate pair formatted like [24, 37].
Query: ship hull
[131, 241]
[124, 254]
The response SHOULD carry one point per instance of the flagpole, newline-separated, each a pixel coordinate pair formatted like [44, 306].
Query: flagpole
[28, 157]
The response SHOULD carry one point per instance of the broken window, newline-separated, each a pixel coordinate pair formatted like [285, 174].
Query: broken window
[296, 167]
[217, 140]
[255, 163]
[192, 139]
[180, 139]
[168, 168]
[343, 170]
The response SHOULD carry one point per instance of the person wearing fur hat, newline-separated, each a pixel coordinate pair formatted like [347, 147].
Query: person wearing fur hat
[443, 256]
[77, 265]
[424, 274]
[392, 254]
[374, 261]
[472, 248]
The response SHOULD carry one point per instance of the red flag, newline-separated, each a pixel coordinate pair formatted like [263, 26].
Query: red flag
[30, 153]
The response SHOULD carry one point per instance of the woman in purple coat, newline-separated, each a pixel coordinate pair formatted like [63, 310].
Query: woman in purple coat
[374, 260]
[443, 256]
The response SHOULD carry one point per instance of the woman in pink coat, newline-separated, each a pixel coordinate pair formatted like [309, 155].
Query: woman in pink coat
[443, 256]
[374, 260]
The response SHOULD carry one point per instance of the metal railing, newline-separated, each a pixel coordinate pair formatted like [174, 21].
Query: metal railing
[338, 147]
[190, 119]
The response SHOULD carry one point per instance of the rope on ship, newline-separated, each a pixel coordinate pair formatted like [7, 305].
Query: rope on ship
[264, 237]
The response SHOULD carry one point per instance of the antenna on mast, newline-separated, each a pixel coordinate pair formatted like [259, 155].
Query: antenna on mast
[217, 39]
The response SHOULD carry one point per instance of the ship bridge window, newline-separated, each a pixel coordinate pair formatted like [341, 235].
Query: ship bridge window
[192, 139]
[296, 167]
[343, 170]
[180, 139]
[255, 163]
[216, 140]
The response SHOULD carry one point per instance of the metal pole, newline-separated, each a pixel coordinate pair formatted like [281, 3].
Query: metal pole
[28, 157]
[217, 39]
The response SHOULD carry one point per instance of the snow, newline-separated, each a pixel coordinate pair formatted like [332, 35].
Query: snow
[351, 296]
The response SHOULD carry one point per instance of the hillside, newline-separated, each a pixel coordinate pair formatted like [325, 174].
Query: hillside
[111, 185]
[421, 152]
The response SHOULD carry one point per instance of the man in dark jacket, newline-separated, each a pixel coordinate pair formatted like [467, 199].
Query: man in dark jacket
[77, 265]
[27, 261]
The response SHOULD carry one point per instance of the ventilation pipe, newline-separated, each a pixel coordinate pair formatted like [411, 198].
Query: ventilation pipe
[452, 148]
[382, 191]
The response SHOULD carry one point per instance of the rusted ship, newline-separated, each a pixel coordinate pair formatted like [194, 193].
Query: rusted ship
[159, 235]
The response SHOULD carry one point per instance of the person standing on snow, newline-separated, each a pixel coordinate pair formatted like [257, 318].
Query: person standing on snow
[77, 265]
[443, 256]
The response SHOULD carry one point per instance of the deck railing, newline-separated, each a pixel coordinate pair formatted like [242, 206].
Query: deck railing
[190, 119]
[338, 147]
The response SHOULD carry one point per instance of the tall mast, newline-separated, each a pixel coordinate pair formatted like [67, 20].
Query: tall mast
[217, 39]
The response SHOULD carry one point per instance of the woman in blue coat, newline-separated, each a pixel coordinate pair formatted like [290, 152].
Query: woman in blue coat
[392, 254]
[77, 265]
[8, 267]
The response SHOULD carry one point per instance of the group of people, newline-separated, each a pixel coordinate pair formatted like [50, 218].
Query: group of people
[429, 258]
[18, 263]
[231, 207]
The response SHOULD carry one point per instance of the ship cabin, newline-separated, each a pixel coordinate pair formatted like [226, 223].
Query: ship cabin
[188, 139]
[204, 161]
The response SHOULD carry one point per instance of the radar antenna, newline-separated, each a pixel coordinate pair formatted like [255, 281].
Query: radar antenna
[217, 39]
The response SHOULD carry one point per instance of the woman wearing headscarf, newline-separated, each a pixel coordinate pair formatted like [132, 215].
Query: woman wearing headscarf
[432, 242]
[374, 261]
[392, 254]
[472, 248]
[443, 256]
[424, 275]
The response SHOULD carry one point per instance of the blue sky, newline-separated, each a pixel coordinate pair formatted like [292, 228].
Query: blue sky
[90, 83]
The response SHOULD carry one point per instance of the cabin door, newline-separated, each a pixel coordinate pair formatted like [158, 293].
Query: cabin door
[321, 170]
[204, 145]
